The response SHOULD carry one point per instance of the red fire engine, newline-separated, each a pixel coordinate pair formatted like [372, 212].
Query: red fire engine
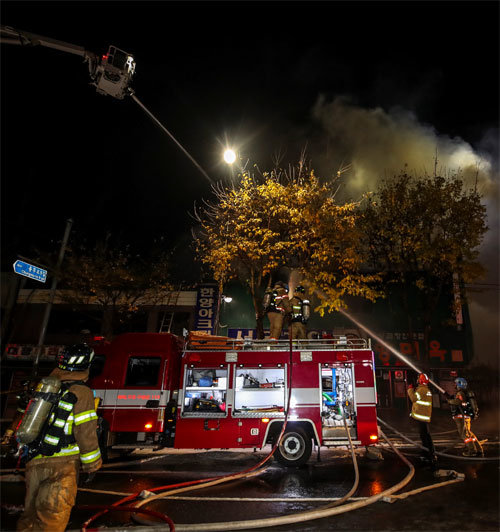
[158, 391]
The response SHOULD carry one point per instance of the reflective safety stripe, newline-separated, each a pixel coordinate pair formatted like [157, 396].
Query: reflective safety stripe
[59, 423]
[419, 416]
[426, 403]
[88, 458]
[89, 415]
[51, 439]
[67, 451]
[65, 406]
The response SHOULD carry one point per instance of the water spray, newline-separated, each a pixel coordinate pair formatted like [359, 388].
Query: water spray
[153, 117]
[389, 347]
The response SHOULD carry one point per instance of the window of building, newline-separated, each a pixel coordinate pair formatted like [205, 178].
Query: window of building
[259, 391]
[143, 371]
[205, 392]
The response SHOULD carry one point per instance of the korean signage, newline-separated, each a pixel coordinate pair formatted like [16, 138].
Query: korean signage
[207, 301]
[442, 352]
[29, 270]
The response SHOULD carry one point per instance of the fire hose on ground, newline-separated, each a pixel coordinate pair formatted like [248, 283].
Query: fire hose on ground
[332, 509]
[196, 484]
[445, 455]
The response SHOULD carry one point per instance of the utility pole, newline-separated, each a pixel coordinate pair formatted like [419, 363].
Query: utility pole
[48, 307]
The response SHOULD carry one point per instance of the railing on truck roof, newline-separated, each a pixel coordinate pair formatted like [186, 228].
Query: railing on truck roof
[221, 343]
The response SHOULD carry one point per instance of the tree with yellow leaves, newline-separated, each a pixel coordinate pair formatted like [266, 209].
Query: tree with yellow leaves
[420, 233]
[283, 219]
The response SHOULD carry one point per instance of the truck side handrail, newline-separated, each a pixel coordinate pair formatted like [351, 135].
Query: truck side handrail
[335, 342]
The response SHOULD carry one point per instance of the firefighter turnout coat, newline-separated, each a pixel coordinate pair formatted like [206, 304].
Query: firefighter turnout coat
[51, 479]
[421, 399]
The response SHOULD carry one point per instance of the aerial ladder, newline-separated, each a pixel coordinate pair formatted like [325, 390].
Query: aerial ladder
[111, 74]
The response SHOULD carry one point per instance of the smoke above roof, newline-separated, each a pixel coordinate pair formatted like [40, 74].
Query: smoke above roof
[379, 144]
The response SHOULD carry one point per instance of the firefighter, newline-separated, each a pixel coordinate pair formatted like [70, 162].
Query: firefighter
[276, 305]
[421, 412]
[299, 313]
[67, 439]
[464, 408]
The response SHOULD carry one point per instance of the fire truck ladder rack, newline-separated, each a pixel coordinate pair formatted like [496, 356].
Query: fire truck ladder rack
[222, 343]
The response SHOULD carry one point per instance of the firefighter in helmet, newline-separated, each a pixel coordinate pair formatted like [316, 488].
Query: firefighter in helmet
[421, 412]
[276, 305]
[66, 441]
[464, 409]
[299, 313]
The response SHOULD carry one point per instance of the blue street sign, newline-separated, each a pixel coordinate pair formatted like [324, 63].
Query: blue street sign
[28, 270]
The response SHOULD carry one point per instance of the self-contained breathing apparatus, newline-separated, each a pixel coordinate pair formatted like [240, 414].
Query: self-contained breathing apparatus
[272, 298]
[468, 406]
[44, 427]
[301, 312]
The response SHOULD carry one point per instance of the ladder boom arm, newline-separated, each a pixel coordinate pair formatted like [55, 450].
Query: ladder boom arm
[23, 38]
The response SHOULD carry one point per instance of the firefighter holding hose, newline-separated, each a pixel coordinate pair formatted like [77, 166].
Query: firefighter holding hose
[464, 408]
[421, 412]
[58, 433]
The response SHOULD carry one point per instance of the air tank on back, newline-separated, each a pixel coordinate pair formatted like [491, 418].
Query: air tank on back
[38, 410]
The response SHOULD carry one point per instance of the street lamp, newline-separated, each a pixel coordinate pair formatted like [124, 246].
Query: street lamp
[229, 156]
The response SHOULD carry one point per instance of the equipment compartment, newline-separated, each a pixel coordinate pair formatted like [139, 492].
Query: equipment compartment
[205, 391]
[259, 391]
[337, 395]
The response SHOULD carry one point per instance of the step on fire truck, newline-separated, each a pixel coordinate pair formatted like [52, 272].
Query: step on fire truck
[157, 391]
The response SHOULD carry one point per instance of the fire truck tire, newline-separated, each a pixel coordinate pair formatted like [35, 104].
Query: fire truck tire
[294, 449]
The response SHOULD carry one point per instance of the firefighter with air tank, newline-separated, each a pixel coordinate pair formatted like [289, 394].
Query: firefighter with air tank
[276, 306]
[421, 412]
[300, 310]
[464, 408]
[57, 434]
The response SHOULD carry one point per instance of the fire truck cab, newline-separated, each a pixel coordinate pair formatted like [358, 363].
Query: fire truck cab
[216, 393]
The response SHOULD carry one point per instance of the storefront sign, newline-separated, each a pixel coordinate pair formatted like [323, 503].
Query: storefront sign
[207, 302]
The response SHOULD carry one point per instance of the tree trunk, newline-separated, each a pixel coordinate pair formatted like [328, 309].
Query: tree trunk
[107, 323]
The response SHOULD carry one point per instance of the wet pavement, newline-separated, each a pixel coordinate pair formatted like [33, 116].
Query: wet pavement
[471, 505]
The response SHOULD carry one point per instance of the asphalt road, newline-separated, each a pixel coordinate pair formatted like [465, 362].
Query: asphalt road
[471, 504]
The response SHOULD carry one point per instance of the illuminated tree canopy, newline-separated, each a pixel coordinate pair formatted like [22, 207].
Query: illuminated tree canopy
[422, 231]
[284, 219]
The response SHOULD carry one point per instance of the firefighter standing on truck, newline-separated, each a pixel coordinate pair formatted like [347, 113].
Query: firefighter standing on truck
[464, 408]
[421, 412]
[67, 439]
[276, 305]
[299, 314]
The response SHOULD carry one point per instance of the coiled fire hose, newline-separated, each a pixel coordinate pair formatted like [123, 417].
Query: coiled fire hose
[351, 492]
[308, 515]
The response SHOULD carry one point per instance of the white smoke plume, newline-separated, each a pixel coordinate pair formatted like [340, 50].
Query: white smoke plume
[381, 144]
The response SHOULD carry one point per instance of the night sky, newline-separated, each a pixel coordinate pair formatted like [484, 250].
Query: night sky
[266, 76]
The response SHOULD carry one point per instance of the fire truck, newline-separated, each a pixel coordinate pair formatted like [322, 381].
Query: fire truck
[159, 390]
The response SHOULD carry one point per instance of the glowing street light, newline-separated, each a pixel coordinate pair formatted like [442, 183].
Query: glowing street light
[229, 156]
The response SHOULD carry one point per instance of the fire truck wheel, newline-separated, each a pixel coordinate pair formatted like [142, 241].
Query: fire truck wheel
[294, 449]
